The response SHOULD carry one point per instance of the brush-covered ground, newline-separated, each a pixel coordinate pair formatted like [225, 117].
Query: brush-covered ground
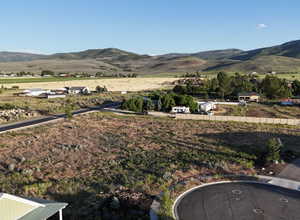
[271, 110]
[110, 167]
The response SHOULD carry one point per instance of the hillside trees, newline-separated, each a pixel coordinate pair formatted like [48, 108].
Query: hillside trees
[226, 86]
[274, 87]
[224, 82]
[159, 102]
[296, 87]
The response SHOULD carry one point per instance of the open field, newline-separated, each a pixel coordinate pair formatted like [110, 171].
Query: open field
[260, 110]
[120, 84]
[10, 80]
[91, 159]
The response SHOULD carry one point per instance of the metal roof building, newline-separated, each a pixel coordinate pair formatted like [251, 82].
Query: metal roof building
[20, 208]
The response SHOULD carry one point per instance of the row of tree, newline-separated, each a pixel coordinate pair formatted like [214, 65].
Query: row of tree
[117, 75]
[159, 102]
[226, 86]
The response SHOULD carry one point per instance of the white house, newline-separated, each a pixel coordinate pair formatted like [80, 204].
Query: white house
[181, 109]
[35, 92]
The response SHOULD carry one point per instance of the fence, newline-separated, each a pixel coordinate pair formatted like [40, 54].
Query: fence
[282, 121]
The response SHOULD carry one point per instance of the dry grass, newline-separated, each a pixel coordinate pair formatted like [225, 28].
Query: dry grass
[135, 154]
[260, 110]
[123, 84]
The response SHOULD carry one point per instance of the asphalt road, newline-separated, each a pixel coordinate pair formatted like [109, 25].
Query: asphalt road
[239, 201]
[31, 122]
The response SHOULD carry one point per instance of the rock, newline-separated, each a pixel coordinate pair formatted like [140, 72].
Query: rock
[11, 167]
[27, 172]
[115, 203]
[22, 159]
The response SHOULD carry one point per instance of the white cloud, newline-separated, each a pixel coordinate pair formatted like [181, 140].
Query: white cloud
[261, 26]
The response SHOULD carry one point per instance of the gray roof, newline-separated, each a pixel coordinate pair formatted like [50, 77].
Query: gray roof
[248, 94]
[40, 213]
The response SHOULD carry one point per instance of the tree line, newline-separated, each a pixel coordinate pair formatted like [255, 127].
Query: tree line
[159, 101]
[226, 86]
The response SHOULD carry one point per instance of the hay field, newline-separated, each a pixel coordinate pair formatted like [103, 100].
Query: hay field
[122, 84]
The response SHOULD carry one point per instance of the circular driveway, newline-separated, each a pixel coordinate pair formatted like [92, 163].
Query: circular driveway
[238, 201]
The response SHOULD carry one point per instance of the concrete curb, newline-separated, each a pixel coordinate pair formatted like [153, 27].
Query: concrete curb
[261, 179]
[286, 183]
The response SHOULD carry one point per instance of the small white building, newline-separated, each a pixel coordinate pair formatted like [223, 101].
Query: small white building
[54, 96]
[78, 90]
[180, 109]
[206, 106]
[35, 92]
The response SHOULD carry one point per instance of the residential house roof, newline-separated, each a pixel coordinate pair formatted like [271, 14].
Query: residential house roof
[15, 207]
[248, 94]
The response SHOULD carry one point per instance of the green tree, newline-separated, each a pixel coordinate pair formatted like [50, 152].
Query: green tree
[296, 87]
[224, 82]
[100, 89]
[273, 150]
[167, 102]
[274, 87]
[148, 105]
[134, 104]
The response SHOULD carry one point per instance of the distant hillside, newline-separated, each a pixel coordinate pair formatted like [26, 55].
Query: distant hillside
[15, 56]
[207, 55]
[261, 64]
[217, 54]
[290, 49]
[174, 64]
[102, 54]
[281, 58]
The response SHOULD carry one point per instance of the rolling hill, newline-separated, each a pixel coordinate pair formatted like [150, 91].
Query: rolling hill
[261, 64]
[15, 56]
[280, 58]
[290, 49]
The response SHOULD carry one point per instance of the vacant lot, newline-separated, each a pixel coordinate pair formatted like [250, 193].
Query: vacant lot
[92, 159]
[123, 84]
[260, 110]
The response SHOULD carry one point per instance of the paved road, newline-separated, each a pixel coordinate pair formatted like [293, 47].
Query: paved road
[292, 171]
[37, 121]
[239, 201]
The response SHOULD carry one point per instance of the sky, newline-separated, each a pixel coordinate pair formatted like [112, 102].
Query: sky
[146, 26]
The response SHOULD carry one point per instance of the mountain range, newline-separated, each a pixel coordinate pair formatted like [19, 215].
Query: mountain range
[280, 58]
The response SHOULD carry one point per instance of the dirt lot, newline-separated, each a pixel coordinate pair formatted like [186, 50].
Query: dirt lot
[92, 159]
[260, 110]
[123, 84]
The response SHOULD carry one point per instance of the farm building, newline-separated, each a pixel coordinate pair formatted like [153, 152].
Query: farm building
[14, 207]
[78, 90]
[181, 109]
[35, 92]
[248, 96]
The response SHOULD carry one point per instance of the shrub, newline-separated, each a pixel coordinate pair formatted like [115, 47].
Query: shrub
[165, 212]
[273, 150]
[100, 89]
